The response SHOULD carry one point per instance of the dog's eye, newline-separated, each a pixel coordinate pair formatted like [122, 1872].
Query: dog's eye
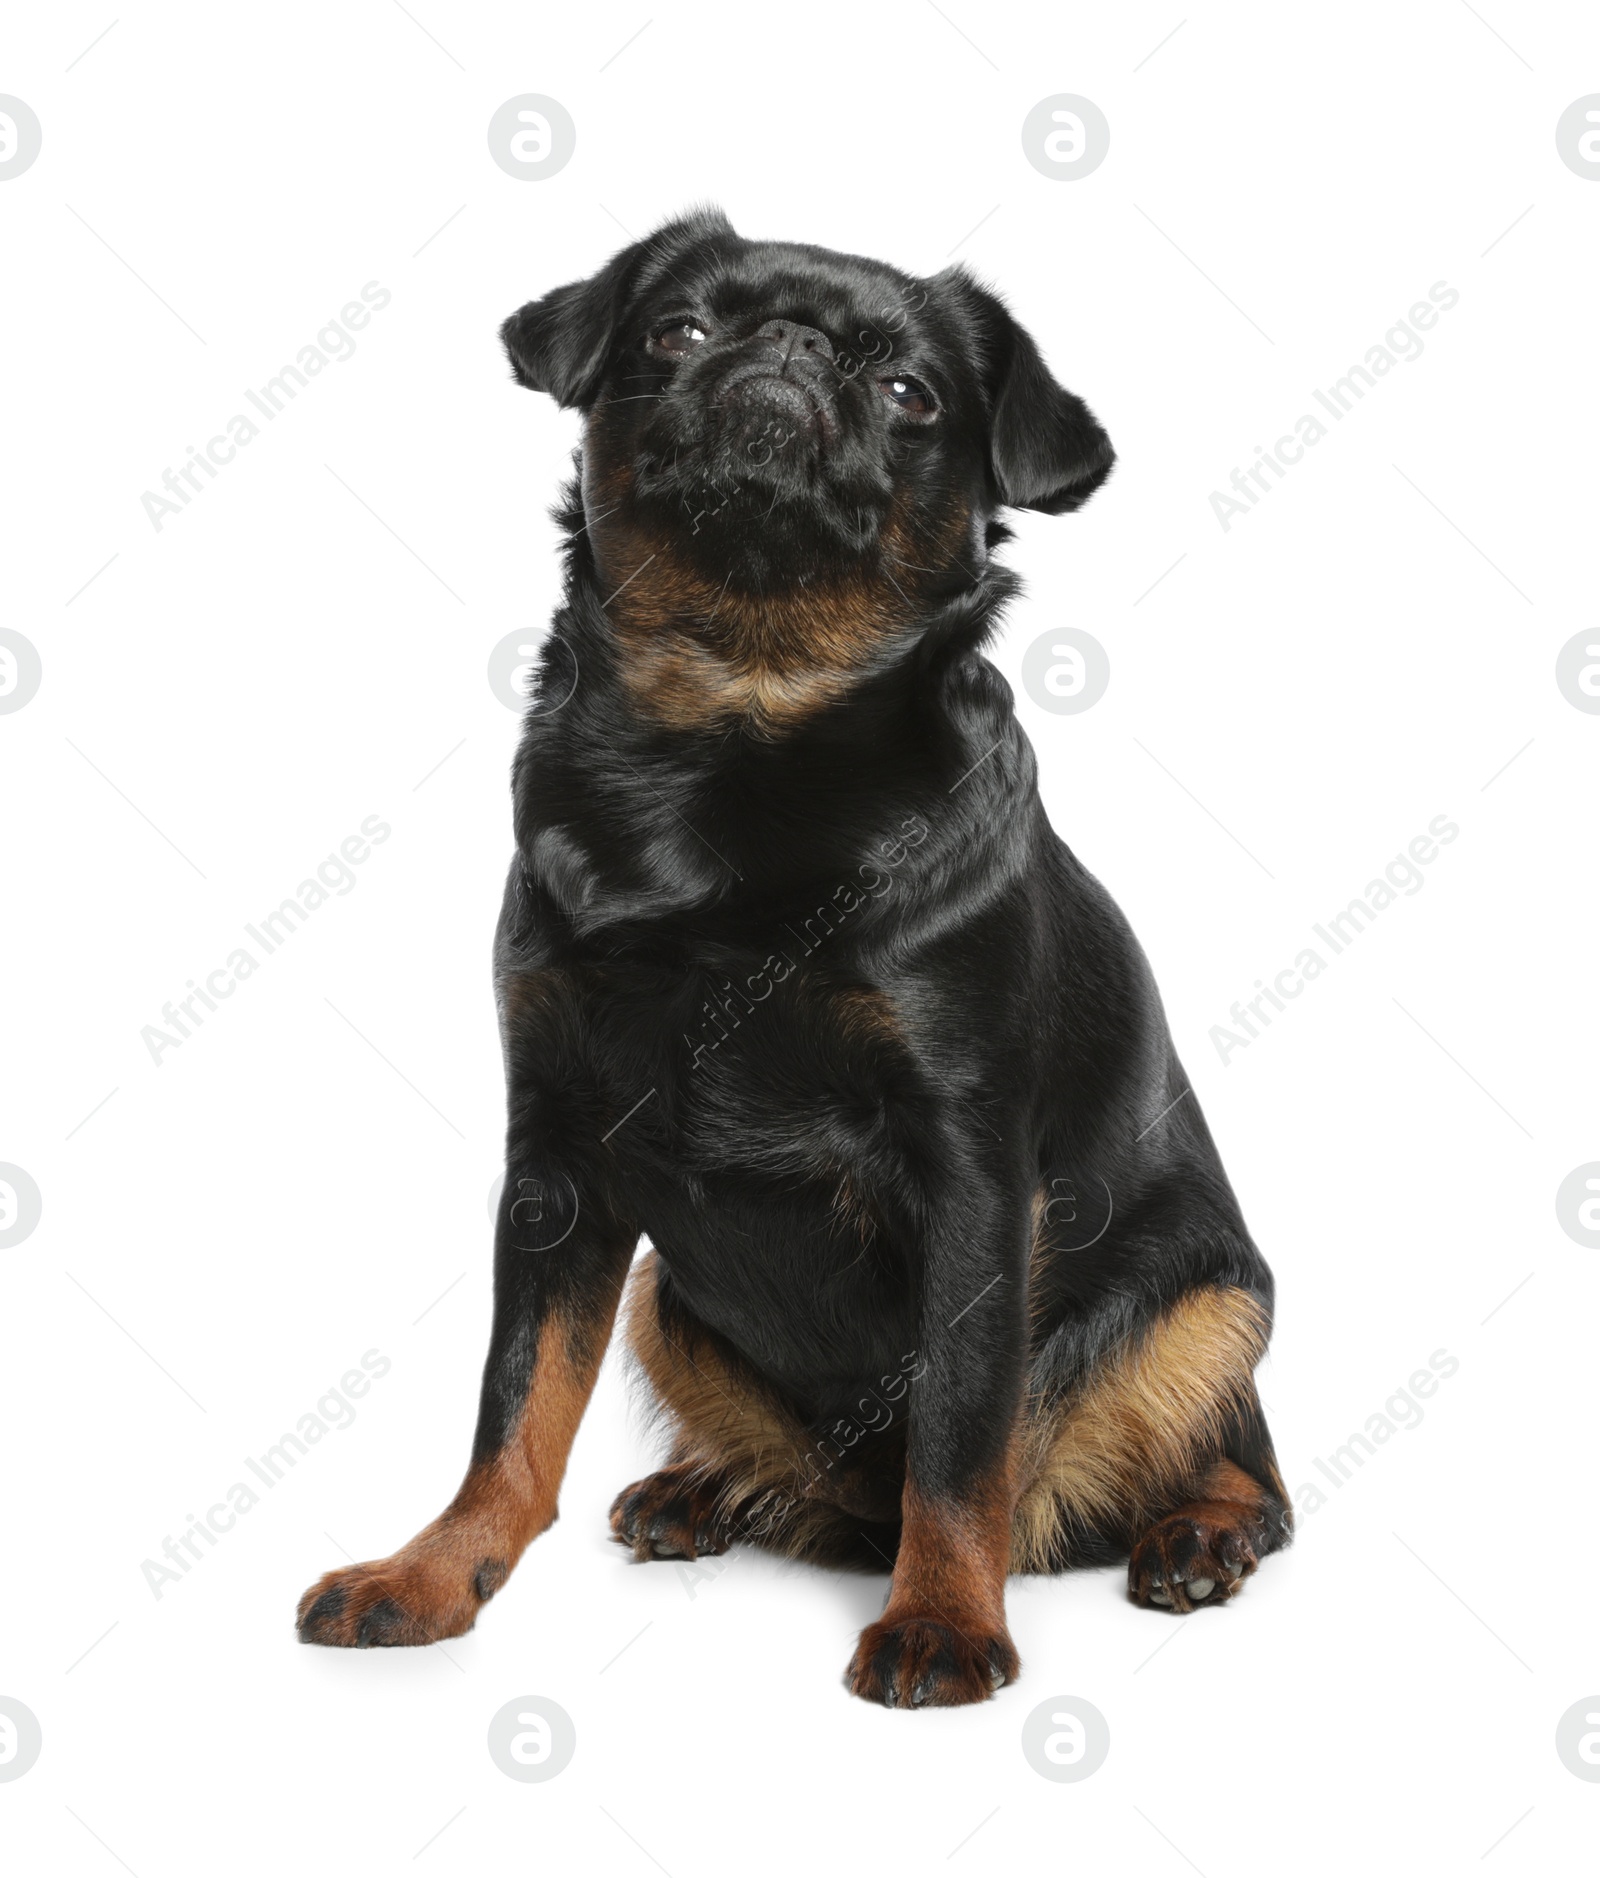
[909, 393]
[682, 337]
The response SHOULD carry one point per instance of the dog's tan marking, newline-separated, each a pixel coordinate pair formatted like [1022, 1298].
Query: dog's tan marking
[868, 1015]
[433, 1587]
[955, 1555]
[942, 1638]
[1143, 1427]
[696, 653]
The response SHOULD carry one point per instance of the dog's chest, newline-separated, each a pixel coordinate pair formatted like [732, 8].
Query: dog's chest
[750, 1108]
[754, 1114]
[761, 1060]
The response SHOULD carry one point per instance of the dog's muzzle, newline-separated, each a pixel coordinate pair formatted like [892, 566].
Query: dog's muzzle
[783, 388]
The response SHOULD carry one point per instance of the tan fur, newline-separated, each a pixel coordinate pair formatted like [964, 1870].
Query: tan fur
[1131, 1443]
[437, 1581]
[696, 653]
[688, 685]
[867, 1014]
[954, 1557]
[506, 1501]
[1136, 1440]
[942, 1637]
[1038, 1252]
[1227, 1481]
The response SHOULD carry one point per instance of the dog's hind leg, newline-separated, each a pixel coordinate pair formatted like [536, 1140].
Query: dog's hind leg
[1160, 1453]
[1202, 1551]
[742, 1465]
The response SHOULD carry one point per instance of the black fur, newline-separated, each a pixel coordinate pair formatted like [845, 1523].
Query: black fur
[661, 867]
[696, 908]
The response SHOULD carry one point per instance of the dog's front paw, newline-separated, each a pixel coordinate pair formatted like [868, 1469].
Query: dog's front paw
[928, 1662]
[396, 1601]
[673, 1514]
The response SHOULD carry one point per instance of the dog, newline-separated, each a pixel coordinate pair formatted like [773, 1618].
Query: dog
[795, 979]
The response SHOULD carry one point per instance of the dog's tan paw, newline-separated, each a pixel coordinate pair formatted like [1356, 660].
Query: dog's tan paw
[396, 1602]
[924, 1662]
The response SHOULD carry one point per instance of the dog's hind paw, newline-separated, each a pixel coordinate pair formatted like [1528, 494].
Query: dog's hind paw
[675, 1513]
[1195, 1556]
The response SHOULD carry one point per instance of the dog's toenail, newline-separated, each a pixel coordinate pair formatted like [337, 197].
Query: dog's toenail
[1201, 1587]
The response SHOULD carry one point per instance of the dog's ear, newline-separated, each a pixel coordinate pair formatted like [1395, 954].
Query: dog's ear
[1046, 449]
[562, 343]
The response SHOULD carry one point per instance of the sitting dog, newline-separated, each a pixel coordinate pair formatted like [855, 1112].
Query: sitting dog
[795, 978]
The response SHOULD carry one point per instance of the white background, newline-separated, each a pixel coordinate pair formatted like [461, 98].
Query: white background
[1369, 648]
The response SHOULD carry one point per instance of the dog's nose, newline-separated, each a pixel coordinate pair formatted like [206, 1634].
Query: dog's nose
[790, 338]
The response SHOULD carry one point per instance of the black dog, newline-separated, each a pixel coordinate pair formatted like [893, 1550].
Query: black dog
[795, 978]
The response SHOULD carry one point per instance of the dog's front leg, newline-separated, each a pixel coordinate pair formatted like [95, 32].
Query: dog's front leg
[560, 1262]
[942, 1639]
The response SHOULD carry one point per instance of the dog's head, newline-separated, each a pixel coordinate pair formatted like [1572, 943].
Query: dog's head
[772, 425]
